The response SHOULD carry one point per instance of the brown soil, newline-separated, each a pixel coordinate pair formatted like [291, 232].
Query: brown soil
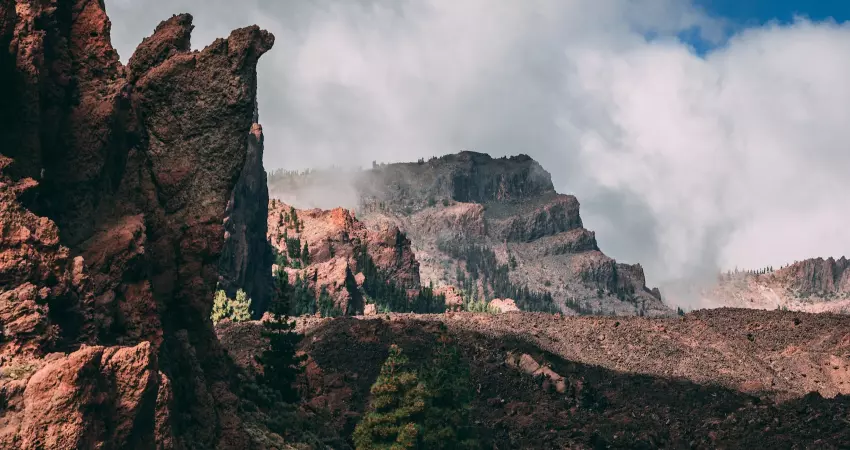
[712, 379]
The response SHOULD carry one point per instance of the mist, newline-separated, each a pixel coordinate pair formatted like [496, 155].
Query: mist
[685, 161]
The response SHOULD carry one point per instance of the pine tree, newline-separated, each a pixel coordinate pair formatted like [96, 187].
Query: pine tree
[450, 393]
[281, 365]
[396, 409]
[327, 306]
[305, 254]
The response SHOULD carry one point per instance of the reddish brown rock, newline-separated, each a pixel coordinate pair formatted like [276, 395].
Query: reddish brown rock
[745, 376]
[335, 238]
[503, 305]
[454, 297]
[96, 397]
[111, 225]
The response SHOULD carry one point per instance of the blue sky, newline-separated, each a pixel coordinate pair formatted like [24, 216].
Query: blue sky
[757, 12]
[740, 14]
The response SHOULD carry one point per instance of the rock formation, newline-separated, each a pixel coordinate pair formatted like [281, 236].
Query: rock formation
[813, 285]
[335, 240]
[246, 256]
[114, 184]
[461, 208]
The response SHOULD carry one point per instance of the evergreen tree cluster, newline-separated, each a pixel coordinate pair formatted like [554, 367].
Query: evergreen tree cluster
[428, 409]
[234, 309]
[294, 254]
[481, 263]
[388, 296]
[762, 271]
[302, 298]
[582, 308]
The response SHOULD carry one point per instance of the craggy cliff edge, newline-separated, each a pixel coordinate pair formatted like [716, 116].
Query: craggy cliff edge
[507, 208]
[113, 191]
[247, 257]
[813, 285]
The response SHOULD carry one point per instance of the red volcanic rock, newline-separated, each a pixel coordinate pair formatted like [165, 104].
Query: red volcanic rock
[94, 397]
[391, 251]
[35, 271]
[334, 239]
[503, 306]
[454, 297]
[114, 186]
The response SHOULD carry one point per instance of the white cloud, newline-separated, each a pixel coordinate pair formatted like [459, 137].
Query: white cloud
[682, 163]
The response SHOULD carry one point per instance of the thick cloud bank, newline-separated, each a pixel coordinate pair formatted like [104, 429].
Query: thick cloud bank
[684, 162]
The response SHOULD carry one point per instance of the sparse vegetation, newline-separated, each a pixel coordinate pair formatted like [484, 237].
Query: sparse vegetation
[389, 296]
[18, 370]
[481, 264]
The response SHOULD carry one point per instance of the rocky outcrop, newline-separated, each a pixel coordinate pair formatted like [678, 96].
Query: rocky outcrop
[95, 397]
[335, 240]
[115, 184]
[813, 285]
[555, 216]
[503, 306]
[474, 221]
[454, 297]
[818, 276]
[466, 177]
[246, 257]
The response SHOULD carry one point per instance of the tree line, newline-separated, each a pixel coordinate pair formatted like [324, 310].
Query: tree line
[481, 264]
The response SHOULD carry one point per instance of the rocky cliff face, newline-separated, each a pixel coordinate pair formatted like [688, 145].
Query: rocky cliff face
[114, 183]
[246, 257]
[467, 177]
[471, 215]
[335, 240]
[813, 285]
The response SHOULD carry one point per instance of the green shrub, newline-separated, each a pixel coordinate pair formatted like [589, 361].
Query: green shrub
[236, 310]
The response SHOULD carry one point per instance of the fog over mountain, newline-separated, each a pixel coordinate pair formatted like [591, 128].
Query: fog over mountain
[683, 160]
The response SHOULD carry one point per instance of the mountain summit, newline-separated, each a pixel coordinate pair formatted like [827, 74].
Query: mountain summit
[496, 228]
